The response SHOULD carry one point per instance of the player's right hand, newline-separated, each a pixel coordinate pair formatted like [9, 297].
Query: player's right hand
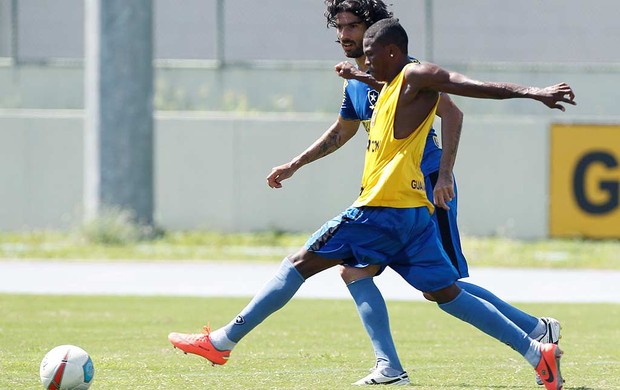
[346, 70]
[278, 174]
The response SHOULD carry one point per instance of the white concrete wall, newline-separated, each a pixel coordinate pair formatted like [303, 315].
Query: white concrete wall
[502, 176]
[211, 173]
[211, 168]
[41, 161]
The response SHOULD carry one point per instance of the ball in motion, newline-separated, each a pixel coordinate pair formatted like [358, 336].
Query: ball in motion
[67, 367]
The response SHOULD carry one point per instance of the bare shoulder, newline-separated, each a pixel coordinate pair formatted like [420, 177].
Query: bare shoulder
[425, 75]
[422, 68]
[415, 74]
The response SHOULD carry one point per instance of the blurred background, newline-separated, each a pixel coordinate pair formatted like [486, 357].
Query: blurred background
[177, 111]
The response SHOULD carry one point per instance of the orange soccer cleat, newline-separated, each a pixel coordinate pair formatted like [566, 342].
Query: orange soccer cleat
[548, 368]
[551, 335]
[199, 344]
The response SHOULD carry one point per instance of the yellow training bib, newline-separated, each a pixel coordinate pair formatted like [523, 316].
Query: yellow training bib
[392, 175]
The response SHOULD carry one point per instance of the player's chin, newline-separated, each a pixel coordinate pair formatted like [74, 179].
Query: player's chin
[353, 53]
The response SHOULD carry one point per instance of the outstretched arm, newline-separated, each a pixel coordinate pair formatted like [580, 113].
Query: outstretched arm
[451, 124]
[434, 77]
[337, 135]
[347, 71]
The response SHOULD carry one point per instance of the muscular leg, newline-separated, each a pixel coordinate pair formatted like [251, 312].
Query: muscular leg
[373, 313]
[447, 227]
[484, 316]
[531, 325]
[293, 271]
[522, 319]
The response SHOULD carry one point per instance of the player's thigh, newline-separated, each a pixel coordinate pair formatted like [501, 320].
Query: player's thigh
[350, 274]
[424, 264]
[309, 263]
[363, 236]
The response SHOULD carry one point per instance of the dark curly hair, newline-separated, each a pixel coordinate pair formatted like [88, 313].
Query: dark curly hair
[370, 11]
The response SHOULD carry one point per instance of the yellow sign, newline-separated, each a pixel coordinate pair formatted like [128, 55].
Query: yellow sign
[585, 181]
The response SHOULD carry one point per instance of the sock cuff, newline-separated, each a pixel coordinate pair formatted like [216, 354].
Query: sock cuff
[364, 280]
[287, 268]
[448, 304]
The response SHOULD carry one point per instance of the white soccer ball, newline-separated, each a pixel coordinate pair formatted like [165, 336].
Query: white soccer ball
[67, 367]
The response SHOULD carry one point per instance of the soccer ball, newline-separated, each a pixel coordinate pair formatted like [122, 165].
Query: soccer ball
[67, 367]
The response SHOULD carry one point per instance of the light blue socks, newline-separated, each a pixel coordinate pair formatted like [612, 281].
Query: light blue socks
[488, 319]
[272, 297]
[374, 315]
[523, 320]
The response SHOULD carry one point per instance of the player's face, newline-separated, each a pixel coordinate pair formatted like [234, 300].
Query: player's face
[376, 59]
[350, 31]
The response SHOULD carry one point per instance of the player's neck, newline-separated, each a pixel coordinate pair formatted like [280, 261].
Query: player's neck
[361, 63]
[397, 69]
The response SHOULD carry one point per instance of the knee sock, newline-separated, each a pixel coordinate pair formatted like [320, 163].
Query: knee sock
[374, 315]
[526, 322]
[273, 296]
[488, 319]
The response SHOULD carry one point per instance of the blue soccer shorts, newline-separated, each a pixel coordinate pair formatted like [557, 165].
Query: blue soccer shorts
[404, 239]
[448, 230]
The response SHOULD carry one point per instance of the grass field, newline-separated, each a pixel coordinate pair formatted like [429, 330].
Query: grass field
[310, 344]
[273, 246]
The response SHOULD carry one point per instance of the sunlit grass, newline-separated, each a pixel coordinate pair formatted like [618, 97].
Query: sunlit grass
[309, 344]
[273, 245]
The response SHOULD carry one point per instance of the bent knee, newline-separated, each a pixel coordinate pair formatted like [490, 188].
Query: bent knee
[444, 295]
[351, 274]
[428, 297]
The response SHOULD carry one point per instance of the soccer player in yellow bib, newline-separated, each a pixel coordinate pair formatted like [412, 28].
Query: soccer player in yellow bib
[390, 224]
[351, 19]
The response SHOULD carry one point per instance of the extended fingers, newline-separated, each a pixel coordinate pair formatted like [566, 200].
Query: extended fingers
[567, 94]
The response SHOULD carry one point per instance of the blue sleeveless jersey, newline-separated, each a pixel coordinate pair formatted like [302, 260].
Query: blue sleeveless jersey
[358, 103]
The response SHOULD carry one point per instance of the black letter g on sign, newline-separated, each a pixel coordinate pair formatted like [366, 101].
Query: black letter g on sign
[609, 186]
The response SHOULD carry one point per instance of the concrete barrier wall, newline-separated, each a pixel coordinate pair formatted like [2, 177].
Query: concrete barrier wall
[41, 164]
[211, 168]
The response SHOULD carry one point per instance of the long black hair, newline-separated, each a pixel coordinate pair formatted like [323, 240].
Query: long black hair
[370, 11]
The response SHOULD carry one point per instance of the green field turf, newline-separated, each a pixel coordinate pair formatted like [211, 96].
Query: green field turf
[310, 344]
[273, 246]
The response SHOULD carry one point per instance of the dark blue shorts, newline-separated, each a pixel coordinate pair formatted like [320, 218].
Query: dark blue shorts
[403, 239]
[445, 222]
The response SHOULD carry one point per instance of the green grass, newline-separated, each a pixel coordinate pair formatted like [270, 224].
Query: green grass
[273, 246]
[309, 344]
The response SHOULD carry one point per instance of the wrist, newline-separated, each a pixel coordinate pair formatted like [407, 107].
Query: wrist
[296, 163]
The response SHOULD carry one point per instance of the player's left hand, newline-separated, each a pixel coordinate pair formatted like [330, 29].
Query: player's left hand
[278, 174]
[443, 192]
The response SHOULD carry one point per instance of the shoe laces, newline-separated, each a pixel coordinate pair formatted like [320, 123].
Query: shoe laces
[203, 335]
[374, 367]
[206, 329]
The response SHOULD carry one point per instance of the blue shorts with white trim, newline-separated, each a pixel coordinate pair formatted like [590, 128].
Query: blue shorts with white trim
[404, 239]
